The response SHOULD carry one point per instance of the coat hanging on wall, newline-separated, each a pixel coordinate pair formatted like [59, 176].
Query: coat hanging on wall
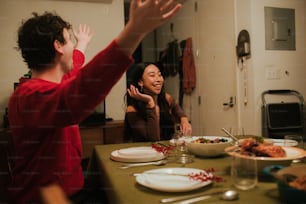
[188, 67]
[170, 59]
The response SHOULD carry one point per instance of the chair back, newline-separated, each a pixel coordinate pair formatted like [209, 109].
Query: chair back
[5, 167]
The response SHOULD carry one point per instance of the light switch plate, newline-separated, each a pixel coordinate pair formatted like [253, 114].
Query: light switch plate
[273, 73]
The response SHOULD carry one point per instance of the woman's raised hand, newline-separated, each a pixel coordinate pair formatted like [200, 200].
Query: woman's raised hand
[136, 94]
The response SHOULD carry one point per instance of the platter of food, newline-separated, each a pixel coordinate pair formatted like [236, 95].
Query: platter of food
[266, 153]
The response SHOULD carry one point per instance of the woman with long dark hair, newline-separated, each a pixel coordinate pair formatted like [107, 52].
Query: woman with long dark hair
[151, 113]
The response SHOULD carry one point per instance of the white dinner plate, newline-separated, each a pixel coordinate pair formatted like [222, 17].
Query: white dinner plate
[171, 179]
[137, 154]
[291, 154]
[281, 142]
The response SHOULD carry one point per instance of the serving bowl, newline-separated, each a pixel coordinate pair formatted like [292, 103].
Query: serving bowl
[292, 153]
[284, 176]
[211, 146]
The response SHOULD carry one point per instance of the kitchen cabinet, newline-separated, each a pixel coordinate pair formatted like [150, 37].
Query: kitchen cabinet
[110, 133]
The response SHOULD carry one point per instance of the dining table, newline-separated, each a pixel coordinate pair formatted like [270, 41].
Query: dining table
[120, 185]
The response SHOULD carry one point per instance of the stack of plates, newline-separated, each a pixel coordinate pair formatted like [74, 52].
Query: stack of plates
[137, 154]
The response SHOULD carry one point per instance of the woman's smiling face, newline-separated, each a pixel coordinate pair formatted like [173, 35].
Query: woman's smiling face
[152, 80]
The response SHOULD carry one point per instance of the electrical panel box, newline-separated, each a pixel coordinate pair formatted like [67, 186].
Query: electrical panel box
[280, 28]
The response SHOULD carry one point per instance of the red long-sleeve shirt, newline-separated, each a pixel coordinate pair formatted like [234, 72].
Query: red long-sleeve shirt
[44, 116]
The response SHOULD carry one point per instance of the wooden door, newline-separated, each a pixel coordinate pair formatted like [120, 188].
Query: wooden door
[216, 65]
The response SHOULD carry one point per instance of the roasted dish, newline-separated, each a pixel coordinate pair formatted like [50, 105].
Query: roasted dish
[299, 183]
[259, 148]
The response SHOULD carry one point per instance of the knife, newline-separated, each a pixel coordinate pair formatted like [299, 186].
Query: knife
[193, 198]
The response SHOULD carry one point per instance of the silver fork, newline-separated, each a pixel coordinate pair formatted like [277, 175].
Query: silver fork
[157, 163]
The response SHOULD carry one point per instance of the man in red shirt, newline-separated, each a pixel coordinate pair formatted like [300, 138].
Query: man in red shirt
[44, 112]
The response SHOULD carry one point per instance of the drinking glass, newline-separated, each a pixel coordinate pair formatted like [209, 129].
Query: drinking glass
[294, 140]
[182, 155]
[244, 172]
[237, 132]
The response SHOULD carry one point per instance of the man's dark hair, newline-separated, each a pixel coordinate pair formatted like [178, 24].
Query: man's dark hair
[36, 37]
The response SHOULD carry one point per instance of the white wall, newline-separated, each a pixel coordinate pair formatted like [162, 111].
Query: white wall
[292, 61]
[105, 17]
[249, 15]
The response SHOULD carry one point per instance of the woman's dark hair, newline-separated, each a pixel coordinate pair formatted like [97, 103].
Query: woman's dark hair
[166, 121]
[36, 37]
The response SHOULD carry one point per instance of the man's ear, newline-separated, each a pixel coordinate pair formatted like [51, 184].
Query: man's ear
[58, 46]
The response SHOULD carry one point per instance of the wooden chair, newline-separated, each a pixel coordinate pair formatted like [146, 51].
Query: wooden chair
[5, 167]
[52, 194]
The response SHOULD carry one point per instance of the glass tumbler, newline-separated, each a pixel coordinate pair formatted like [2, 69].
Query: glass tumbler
[294, 140]
[244, 172]
[182, 155]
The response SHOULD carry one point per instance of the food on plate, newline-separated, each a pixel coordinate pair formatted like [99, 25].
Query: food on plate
[206, 140]
[261, 149]
[299, 183]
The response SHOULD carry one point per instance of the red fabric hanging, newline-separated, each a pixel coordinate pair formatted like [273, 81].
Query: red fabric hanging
[189, 70]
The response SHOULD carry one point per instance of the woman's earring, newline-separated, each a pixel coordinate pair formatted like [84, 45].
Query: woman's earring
[141, 89]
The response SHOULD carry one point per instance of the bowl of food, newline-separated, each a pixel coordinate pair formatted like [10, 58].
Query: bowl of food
[208, 146]
[291, 182]
[267, 154]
